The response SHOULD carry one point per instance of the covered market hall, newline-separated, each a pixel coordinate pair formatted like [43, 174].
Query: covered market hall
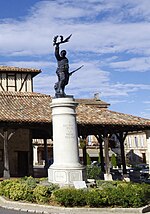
[27, 115]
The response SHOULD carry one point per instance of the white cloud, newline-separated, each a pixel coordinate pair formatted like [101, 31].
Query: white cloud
[115, 101]
[30, 64]
[33, 35]
[140, 64]
[146, 102]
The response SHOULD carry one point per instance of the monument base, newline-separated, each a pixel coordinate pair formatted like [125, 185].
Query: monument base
[66, 167]
[66, 176]
[108, 177]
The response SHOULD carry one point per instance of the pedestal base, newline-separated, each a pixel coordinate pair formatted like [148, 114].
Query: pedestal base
[66, 176]
[108, 177]
[66, 167]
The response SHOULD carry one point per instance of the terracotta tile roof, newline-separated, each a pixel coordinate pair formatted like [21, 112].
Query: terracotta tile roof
[10, 69]
[25, 107]
[29, 107]
[93, 102]
[94, 115]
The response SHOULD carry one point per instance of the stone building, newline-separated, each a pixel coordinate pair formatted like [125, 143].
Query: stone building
[136, 148]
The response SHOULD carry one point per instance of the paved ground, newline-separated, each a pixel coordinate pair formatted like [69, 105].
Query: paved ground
[8, 211]
[34, 208]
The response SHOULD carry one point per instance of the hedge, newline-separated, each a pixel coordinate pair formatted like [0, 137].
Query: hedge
[107, 194]
[120, 195]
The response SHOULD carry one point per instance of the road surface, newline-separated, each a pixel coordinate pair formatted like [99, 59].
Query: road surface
[8, 211]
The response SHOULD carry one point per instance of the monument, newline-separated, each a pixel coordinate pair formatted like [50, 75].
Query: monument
[66, 168]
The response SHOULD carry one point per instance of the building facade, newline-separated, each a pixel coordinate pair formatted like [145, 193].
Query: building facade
[136, 148]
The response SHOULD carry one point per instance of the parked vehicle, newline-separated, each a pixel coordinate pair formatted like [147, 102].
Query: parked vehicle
[144, 172]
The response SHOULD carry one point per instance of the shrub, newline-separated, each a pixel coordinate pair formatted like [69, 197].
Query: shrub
[51, 186]
[96, 198]
[18, 189]
[70, 197]
[108, 184]
[93, 172]
[128, 195]
[42, 194]
[21, 191]
[103, 183]
[5, 187]
[30, 181]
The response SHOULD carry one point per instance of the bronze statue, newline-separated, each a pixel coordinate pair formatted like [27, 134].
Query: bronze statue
[63, 67]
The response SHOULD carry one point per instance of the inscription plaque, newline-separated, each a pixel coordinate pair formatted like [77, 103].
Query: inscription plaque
[69, 131]
[60, 176]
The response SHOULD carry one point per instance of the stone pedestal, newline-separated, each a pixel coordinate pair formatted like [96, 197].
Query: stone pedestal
[66, 167]
[108, 177]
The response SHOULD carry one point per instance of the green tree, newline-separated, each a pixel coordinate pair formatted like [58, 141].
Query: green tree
[113, 160]
[88, 159]
[83, 147]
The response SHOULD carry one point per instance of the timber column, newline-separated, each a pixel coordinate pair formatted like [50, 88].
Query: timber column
[66, 167]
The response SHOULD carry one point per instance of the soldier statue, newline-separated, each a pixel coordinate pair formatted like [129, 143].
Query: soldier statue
[63, 67]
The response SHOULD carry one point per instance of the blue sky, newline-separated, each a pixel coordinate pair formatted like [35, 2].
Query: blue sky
[111, 38]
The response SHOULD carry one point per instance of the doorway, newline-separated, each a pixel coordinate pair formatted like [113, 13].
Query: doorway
[144, 157]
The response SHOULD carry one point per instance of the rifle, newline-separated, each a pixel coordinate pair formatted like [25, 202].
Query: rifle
[70, 73]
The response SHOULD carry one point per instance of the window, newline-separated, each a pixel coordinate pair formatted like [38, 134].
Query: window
[142, 140]
[129, 142]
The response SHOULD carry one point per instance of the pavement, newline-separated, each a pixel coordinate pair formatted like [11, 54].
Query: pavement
[46, 209]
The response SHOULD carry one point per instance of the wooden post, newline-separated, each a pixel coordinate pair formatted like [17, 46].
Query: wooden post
[100, 140]
[6, 137]
[107, 165]
[121, 137]
[6, 173]
[107, 175]
[123, 157]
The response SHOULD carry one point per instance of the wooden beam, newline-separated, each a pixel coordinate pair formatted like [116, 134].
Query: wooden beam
[25, 79]
[2, 87]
